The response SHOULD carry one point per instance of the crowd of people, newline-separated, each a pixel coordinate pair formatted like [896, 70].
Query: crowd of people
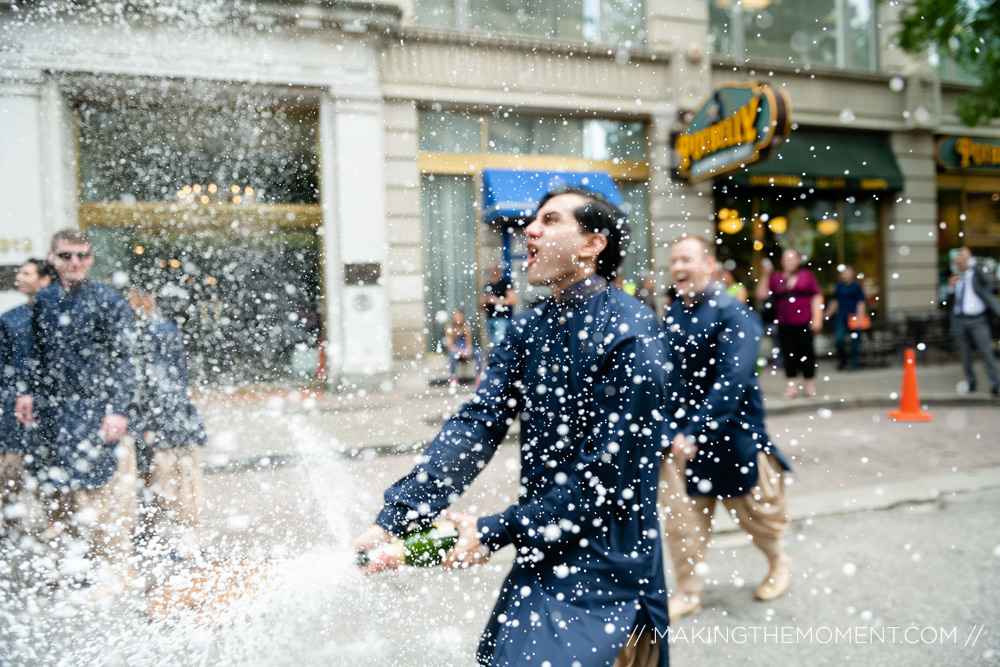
[633, 426]
[98, 430]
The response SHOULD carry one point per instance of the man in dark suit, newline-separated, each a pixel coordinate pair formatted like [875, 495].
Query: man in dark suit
[718, 444]
[15, 342]
[583, 372]
[973, 302]
[78, 385]
[167, 428]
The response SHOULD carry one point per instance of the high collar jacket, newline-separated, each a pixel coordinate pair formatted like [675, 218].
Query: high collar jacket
[82, 352]
[585, 377]
[15, 346]
[712, 392]
[162, 405]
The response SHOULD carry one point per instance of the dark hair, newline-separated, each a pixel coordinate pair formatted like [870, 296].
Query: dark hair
[706, 245]
[45, 270]
[599, 216]
[73, 236]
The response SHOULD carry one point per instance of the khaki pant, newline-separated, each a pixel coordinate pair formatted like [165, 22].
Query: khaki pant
[104, 517]
[11, 485]
[687, 521]
[642, 650]
[174, 492]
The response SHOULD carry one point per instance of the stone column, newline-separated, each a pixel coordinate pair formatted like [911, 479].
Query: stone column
[355, 243]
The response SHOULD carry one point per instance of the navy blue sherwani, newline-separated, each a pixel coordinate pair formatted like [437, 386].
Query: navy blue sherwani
[713, 393]
[162, 403]
[15, 345]
[585, 377]
[83, 342]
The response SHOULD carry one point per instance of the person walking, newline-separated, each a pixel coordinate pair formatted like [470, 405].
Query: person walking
[15, 343]
[849, 305]
[973, 302]
[458, 341]
[718, 446]
[80, 382]
[583, 374]
[498, 300]
[167, 429]
[799, 316]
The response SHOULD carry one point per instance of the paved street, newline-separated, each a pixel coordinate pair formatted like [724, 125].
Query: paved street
[895, 537]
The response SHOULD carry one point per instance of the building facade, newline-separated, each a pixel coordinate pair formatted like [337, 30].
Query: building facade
[321, 179]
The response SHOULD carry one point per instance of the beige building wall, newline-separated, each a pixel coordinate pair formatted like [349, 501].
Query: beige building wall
[428, 67]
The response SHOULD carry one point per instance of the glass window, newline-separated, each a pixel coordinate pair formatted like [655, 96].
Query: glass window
[831, 33]
[592, 139]
[829, 231]
[610, 139]
[248, 305]
[599, 21]
[636, 195]
[450, 132]
[450, 273]
[535, 135]
[150, 155]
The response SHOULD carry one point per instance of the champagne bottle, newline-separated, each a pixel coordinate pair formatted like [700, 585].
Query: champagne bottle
[420, 548]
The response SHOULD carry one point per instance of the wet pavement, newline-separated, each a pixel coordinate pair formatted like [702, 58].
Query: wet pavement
[895, 527]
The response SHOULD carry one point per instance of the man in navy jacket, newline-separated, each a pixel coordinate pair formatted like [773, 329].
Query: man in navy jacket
[167, 428]
[719, 447]
[583, 372]
[15, 343]
[78, 391]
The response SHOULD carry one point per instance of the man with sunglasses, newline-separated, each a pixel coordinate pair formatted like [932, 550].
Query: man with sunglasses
[15, 333]
[79, 384]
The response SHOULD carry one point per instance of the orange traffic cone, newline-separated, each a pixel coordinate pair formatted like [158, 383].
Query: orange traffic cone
[909, 401]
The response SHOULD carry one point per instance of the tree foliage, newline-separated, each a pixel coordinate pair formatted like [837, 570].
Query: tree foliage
[968, 32]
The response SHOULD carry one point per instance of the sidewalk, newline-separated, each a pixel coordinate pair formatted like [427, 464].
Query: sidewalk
[247, 430]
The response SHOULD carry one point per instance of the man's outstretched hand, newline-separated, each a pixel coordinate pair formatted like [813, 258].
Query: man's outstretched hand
[468, 549]
[379, 559]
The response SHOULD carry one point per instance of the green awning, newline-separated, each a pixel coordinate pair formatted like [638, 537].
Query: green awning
[825, 160]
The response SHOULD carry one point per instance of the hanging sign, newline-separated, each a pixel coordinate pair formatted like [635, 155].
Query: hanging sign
[969, 154]
[741, 123]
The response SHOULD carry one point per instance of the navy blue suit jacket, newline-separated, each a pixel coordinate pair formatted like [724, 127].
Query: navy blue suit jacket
[81, 347]
[15, 345]
[713, 394]
[585, 377]
[162, 403]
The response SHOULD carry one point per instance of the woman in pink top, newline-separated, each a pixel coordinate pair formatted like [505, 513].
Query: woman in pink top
[799, 314]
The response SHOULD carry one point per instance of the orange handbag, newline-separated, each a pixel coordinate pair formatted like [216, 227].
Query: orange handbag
[864, 323]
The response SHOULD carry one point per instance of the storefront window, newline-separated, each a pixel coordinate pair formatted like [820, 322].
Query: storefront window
[151, 155]
[832, 33]
[247, 304]
[636, 196]
[969, 217]
[450, 273]
[450, 201]
[450, 132]
[599, 21]
[829, 231]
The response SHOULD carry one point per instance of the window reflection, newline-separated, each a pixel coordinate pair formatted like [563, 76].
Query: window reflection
[149, 155]
[831, 33]
[516, 134]
[620, 22]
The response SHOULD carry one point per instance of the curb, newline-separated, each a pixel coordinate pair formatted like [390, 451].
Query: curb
[220, 464]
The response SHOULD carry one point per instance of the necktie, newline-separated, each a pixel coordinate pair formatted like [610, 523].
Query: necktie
[959, 294]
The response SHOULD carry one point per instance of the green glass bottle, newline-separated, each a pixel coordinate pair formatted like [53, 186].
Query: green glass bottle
[421, 548]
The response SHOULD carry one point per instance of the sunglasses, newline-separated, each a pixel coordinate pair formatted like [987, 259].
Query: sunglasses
[66, 256]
